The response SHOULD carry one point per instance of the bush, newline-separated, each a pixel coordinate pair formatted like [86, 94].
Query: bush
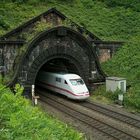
[17, 1]
[3, 24]
[21, 121]
[101, 91]
[87, 3]
[20, 1]
[132, 97]
[134, 4]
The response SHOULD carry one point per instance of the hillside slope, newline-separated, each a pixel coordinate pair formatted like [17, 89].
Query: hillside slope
[117, 23]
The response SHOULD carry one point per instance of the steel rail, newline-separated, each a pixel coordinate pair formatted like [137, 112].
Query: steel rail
[113, 114]
[90, 121]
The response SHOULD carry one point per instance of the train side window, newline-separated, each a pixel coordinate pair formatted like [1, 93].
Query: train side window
[65, 82]
[58, 79]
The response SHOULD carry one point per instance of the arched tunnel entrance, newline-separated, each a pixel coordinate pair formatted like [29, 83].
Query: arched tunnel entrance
[57, 65]
[59, 49]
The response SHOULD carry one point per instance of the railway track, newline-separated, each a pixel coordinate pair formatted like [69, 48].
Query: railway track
[113, 114]
[106, 129]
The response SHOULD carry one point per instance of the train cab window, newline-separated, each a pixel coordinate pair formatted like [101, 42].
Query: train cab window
[65, 82]
[58, 79]
[76, 82]
[73, 82]
[80, 81]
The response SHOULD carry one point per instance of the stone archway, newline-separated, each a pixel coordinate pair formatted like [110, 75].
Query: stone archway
[48, 56]
[58, 42]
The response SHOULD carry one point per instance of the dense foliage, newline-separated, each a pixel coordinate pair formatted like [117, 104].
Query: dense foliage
[134, 4]
[126, 63]
[131, 99]
[19, 120]
[117, 23]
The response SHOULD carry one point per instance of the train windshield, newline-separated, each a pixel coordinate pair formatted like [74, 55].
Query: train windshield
[76, 82]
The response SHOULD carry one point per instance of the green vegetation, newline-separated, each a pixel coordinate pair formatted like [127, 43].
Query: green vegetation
[39, 27]
[126, 63]
[131, 98]
[133, 4]
[19, 120]
[108, 19]
[117, 23]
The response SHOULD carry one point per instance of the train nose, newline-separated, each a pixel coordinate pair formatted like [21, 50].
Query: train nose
[84, 93]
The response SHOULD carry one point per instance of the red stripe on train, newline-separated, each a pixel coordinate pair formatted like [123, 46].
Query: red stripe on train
[63, 89]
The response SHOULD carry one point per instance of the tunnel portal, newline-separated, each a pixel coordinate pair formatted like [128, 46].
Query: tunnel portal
[69, 52]
[49, 42]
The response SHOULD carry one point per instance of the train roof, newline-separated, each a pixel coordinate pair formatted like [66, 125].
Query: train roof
[64, 75]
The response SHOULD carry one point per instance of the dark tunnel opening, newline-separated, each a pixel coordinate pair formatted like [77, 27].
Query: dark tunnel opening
[58, 65]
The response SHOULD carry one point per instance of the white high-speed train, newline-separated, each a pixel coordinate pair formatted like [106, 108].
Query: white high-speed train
[70, 85]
